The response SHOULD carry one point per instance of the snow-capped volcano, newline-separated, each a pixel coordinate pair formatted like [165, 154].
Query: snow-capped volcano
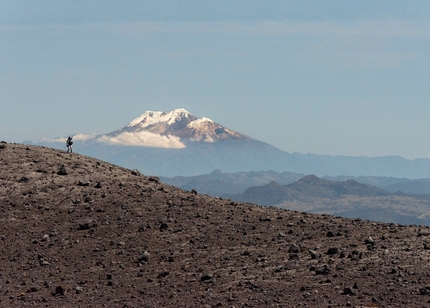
[170, 130]
[161, 122]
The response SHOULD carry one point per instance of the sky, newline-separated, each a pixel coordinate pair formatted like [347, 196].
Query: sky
[325, 77]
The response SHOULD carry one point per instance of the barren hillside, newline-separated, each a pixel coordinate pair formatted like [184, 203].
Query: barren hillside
[79, 232]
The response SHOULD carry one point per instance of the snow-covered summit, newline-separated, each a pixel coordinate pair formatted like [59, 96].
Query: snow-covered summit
[200, 123]
[170, 129]
[154, 117]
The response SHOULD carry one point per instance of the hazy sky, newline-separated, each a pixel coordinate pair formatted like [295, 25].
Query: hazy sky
[325, 77]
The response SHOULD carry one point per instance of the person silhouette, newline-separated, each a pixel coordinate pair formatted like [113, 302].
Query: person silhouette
[69, 143]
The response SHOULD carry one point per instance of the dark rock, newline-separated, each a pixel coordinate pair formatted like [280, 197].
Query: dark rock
[362, 255]
[135, 172]
[294, 248]
[62, 171]
[87, 224]
[370, 241]
[294, 257]
[59, 291]
[155, 179]
[314, 254]
[193, 191]
[24, 179]
[98, 185]
[330, 234]
[424, 291]
[324, 270]
[164, 227]
[206, 278]
[163, 274]
[348, 291]
[33, 289]
[144, 257]
[332, 250]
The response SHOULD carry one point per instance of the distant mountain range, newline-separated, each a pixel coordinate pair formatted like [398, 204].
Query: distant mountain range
[347, 198]
[178, 143]
[221, 184]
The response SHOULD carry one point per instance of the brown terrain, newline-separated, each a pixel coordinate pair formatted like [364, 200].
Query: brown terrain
[79, 232]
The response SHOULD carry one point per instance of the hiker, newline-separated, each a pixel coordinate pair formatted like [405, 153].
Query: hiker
[69, 143]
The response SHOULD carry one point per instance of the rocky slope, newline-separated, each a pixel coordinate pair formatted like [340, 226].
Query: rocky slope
[79, 232]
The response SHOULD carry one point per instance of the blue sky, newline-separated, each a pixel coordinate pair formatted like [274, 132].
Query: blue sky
[324, 77]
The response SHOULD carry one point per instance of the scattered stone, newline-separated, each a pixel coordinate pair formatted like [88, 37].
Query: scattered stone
[144, 257]
[207, 278]
[164, 227]
[33, 289]
[163, 274]
[62, 171]
[87, 224]
[348, 291]
[135, 172]
[98, 185]
[423, 233]
[314, 254]
[83, 183]
[424, 291]
[362, 255]
[155, 179]
[330, 234]
[332, 250]
[324, 270]
[59, 291]
[78, 290]
[24, 179]
[294, 248]
[294, 257]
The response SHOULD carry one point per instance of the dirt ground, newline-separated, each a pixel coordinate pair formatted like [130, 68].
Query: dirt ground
[79, 232]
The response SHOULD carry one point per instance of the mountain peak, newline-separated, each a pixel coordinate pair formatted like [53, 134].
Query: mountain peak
[156, 117]
[170, 130]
